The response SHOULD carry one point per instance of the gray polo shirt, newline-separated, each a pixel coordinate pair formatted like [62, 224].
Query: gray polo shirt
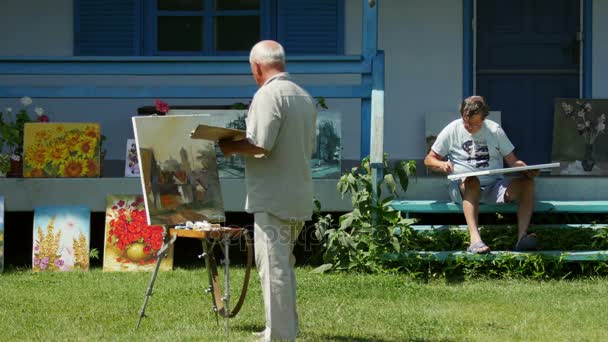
[281, 119]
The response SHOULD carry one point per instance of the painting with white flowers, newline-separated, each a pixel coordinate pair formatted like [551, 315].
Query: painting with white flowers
[580, 142]
[131, 161]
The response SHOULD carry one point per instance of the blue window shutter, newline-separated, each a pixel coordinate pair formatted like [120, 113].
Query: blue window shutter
[312, 27]
[107, 27]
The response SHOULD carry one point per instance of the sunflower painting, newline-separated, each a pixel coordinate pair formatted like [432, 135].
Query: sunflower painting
[61, 150]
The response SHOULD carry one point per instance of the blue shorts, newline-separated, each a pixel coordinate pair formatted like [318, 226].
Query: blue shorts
[493, 193]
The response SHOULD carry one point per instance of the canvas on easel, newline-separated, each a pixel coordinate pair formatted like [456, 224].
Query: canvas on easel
[179, 175]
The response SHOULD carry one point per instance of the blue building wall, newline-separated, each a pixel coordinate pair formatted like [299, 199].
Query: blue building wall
[422, 40]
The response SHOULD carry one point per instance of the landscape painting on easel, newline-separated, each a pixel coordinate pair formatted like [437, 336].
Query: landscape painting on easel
[61, 239]
[1, 234]
[130, 243]
[580, 142]
[179, 175]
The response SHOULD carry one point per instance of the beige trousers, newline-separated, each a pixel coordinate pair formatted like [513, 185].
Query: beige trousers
[274, 240]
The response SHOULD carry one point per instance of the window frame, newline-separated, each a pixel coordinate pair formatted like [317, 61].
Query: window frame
[150, 37]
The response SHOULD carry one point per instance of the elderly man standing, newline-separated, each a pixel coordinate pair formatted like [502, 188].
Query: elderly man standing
[281, 135]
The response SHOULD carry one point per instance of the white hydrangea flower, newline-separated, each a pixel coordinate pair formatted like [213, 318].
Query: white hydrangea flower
[9, 109]
[26, 101]
[39, 111]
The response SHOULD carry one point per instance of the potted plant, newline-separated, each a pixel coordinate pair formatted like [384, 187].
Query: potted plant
[12, 132]
[5, 164]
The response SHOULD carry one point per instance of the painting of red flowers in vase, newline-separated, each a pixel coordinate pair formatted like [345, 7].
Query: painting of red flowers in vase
[61, 150]
[130, 243]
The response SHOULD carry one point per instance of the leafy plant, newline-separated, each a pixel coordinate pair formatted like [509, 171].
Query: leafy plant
[372, 229]
[12, 128]
[94, 254]
[321, 102]
[5, 163]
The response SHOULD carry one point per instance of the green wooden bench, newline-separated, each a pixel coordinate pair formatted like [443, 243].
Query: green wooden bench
[409, 207]
[445, 207]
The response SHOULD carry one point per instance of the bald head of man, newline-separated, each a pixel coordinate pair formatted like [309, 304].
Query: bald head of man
[267, 58]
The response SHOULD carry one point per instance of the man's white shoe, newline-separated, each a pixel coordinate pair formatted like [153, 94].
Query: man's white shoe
[259, 335]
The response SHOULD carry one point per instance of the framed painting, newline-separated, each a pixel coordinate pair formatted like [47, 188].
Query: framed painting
[179, 175]
[130, 243]
[61, 150]
[580, 142]
[61, 239]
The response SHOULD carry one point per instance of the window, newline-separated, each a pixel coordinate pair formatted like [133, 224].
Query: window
[203, 27]
[206, 27]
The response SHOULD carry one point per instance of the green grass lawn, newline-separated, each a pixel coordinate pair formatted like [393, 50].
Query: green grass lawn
[98, 306]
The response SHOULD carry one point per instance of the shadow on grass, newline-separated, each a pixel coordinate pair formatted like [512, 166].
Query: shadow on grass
[326, 337]
[249, 327]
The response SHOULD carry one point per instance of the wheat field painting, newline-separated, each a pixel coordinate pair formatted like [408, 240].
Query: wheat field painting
[61, 239]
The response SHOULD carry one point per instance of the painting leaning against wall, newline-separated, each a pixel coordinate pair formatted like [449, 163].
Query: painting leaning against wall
[580, 142]
[233, 166]
[131, 161]
[325, 161]
[70, 150]
[1, 234]
[130, 243]
[179, 175]
[61, 238]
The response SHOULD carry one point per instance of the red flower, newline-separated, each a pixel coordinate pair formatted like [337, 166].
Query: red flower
[161, 107]
[42, 118]
[130, 225]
